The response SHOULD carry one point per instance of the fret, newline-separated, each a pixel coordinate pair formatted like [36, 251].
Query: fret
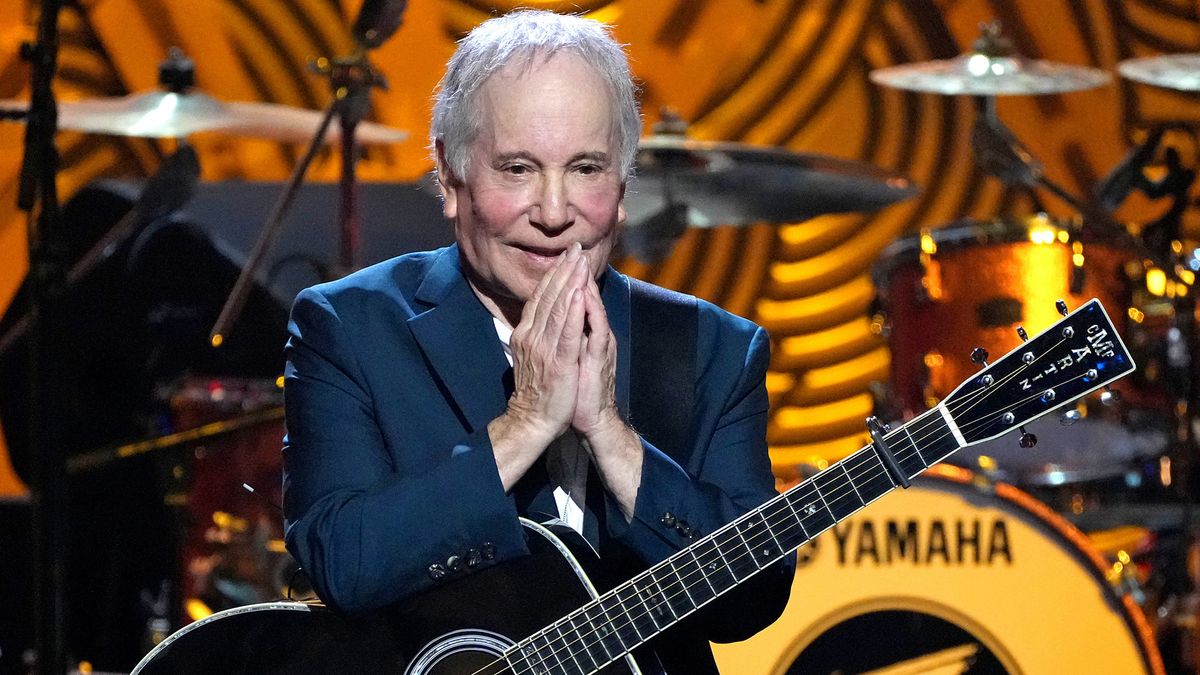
[839, 497]
[652, 602]
[671, 596]
[601, 631]
[546, 653]
[817, 489]
[913, 442]
[533, 658]
[814, 514]
[616, 621]
[787, 499]
[850, 480]
[696, 590]
[873, 478]
[583, 644]
[784, 523]
[739, 564]
[570, 644]
[516, 661]
[932, 433]
[761, 549]
[716, 569]
[673, 589]
[636, 613]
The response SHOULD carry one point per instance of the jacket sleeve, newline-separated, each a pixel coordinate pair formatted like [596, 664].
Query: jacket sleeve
[366, 532]
[728, 473]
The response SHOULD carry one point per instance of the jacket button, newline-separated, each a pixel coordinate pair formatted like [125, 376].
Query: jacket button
[437, 572]
[668, 519]
[454, 563]
[489, 551]
[473, 557]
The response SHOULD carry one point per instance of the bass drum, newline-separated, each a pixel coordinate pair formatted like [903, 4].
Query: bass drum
[951, 576]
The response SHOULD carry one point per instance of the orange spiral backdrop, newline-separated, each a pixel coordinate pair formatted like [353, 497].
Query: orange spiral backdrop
[791, 73]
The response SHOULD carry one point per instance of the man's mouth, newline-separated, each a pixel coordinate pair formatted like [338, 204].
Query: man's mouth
[542, 252]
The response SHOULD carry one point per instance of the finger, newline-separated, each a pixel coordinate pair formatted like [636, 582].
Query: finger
[570, 341]
[557, 286]
[551, 316]
[599, 336]
[530, 308]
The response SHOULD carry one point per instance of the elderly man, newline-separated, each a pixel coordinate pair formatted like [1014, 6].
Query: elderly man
[435, 398]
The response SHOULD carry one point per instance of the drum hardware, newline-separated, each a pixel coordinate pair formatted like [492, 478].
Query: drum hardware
[351, 79]
[681, 182]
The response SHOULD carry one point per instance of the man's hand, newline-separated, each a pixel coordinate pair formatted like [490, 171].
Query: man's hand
[546, 347]
[615, 448]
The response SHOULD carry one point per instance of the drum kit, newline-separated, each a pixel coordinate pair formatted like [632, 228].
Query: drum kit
[974, 280]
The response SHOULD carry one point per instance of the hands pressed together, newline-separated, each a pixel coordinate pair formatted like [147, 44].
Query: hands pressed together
[564, 372]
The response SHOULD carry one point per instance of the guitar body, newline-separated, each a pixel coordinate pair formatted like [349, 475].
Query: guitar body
[461, 628]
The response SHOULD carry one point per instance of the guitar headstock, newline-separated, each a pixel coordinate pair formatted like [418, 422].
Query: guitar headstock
[1077, 355]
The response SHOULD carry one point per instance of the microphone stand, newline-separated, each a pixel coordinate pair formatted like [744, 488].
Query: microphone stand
[38, 195]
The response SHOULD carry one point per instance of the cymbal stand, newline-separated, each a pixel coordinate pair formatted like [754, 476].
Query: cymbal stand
[351, 79]
[38, 196]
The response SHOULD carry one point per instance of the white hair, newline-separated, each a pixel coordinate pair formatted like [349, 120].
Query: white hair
[523, 35]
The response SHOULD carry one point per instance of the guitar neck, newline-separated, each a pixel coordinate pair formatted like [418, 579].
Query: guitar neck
[634, 612]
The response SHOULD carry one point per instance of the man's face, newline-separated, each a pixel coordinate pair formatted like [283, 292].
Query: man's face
[542, 175]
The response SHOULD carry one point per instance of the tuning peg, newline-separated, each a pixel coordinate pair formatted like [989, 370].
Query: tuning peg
[979, 355]
[1109, 397]
[1028, 440]
[1061, 306]
[1070, 417]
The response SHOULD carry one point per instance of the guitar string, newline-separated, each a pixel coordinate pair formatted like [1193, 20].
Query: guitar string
[833, 497]
[683, 582]
[682, 585]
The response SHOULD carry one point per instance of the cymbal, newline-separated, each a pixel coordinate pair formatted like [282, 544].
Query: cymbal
[725, 183]
[1173, 71]
[978, 74]
[163, 114]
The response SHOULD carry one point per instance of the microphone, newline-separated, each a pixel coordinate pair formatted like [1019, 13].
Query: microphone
[377, 21]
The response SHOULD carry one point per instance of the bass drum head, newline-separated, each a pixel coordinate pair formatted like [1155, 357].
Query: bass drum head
[951, 577]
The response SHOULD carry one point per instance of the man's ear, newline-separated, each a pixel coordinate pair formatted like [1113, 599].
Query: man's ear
[621, 215]
[448, 184]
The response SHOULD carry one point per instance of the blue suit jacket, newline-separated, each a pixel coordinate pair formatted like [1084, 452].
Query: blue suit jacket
[393, 374]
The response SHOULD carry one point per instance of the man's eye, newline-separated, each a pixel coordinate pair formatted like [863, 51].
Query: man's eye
[517, 169]
[588, 169]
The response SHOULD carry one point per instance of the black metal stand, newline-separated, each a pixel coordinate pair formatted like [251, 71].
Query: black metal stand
[47, 277]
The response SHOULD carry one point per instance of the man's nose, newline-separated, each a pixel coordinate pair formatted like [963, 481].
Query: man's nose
[553, 210]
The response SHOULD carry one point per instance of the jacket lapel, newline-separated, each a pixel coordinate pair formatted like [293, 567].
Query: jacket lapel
[459, 339]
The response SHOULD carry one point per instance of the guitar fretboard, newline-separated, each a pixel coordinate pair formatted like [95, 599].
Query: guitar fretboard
[627, 616]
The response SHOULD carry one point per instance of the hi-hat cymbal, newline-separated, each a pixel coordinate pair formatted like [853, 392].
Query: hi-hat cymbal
[978, 74]
[162, 114]
[735, 184]
[1173, 71]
